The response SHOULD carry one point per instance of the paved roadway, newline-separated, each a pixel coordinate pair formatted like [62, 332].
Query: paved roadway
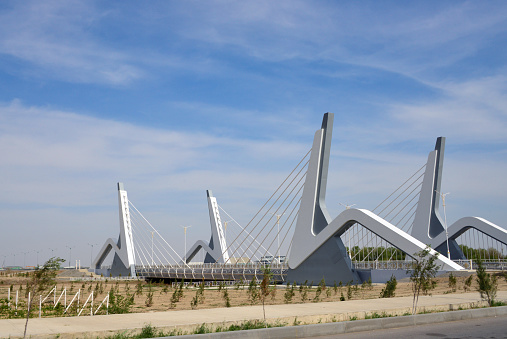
[471, 328]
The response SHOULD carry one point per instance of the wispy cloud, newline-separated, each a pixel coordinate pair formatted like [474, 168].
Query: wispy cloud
[57, 39]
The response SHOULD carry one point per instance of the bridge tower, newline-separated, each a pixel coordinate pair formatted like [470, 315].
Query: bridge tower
[428, 226]
[124, 255]
[216, 248]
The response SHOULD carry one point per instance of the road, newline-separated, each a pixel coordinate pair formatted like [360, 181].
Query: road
[472, 328]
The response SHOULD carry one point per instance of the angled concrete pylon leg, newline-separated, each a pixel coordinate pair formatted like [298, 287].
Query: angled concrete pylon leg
[330, 261]
[427, 221]
[216, 249]
[317, 251]
[124, 256]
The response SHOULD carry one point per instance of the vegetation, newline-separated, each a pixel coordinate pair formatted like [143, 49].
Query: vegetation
[253, 293]
[376, 253]
[467, 283]
[388, 290]
[265, 289]
[452, 282]
[118, 303]
[488, 254]
[487, 283]
[41, 280]
[289, 292]
[422, 275]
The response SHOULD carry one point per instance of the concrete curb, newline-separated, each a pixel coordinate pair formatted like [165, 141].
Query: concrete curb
[306, 331]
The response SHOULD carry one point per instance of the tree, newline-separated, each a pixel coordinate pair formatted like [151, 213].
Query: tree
[41, 280]
[422, 274]
[487, 283]
[265, 289]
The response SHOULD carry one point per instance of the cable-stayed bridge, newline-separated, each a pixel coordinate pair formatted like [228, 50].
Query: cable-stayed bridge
[294, 235]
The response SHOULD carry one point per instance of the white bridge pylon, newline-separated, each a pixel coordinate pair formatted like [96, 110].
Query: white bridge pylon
[216, 249]
[124, 256]
[429, 226]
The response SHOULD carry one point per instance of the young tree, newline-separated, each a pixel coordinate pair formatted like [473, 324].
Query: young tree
[265, 289]
[487, 284]
[40, 281]
[422, 274]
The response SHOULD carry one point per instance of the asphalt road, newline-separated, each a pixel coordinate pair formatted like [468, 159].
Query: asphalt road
[495, 327]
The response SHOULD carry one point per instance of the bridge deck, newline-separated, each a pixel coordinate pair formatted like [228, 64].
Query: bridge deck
[233, 272]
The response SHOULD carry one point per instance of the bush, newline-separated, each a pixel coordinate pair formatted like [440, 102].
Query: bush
[253, 292]
[289, 292]
[388, 290]
[452, 282]
[468, 283]
[487, 283]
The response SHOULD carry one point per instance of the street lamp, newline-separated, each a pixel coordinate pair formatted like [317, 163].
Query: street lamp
[445, 222]
[70, 254]
[185, 254]
[278, 216]
[52, 250]
[91, 254]
[152, 232]
[38, 257]
[24, 258]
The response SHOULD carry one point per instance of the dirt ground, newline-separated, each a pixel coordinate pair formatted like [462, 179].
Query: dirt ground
[238, 294]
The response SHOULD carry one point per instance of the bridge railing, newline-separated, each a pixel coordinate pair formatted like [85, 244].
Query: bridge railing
[490, 264]
[222, 272]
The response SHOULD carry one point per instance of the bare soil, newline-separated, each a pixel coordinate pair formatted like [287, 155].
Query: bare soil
[238, 294]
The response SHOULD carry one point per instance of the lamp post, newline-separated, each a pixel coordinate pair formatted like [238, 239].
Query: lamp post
[442, 195]
[152, 247]
[38, 256]
[91, 253]
[278, 216]
[185, 232]
[70, 254]
[52, 250]
[24, 258]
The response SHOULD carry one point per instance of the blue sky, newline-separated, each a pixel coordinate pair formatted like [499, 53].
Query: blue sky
[173, 98]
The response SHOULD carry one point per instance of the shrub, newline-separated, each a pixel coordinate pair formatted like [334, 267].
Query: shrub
[487, 283]
[253, 293]
[452, 282]
[289, 293]
[468, 283]
[388, 290]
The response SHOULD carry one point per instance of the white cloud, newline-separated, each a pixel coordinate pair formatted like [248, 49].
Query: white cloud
[57, 38]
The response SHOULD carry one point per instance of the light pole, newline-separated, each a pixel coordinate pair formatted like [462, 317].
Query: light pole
[91, 253]
[152, 247]
[38, 257]
[52, 250]
[24, 258]
[442, 195]
[185, 254]
[70, 254]
[278, 216]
